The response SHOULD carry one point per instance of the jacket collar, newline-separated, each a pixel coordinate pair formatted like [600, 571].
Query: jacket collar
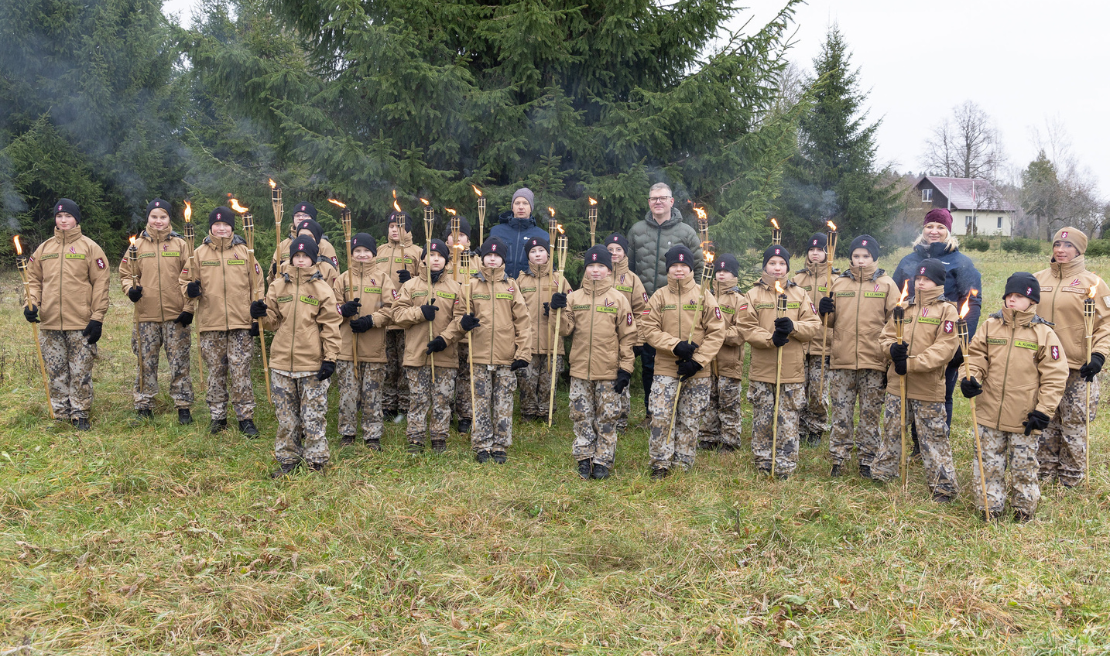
[362, 268]
[718, 290]
[507, 219]
[1069, 269]
[621, 268]
[869, 272]
[676, 218]
[818, 269]
[157, 235]
[292, 273]
[936, 249]
[539, 270]
[928, 296]
[488, 274]
[223, 243]
[68, 235]
[680, 286]
[1025, 318]
[598, 286]
[768, 281]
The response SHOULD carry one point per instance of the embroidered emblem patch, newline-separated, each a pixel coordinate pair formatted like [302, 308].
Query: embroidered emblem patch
[1055, 352]
[628, 319]
[100, 263]
[947, 326]
[718, 311]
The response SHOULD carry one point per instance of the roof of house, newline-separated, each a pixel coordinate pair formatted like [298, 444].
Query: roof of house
[986, 197]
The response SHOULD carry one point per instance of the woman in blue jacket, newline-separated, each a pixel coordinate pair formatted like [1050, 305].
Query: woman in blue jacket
[516, 229]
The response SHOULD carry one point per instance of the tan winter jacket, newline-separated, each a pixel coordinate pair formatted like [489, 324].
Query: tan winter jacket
[1063, 288]
[730, 359]
[757, 324]
[864, 300]
[68, 280]
[814, 280]
[632, 287]
[447, 295]
[672, 310]
[162, 254]
[326, 261]
[604, 331]
[505, 331]
[220, 264]
[536, 287]
[930, 331]
[1021, 365]
[301, 310]
[373, 287]
[394, 256]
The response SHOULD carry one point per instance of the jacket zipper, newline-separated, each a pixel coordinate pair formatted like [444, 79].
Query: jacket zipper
[493, 319]
[223, 270]
[358, 291]
[658, 239]
[593, 311]
[1006, 369]
[1059, 283]
[296, 302]
[859, 302]
[158, 263]
[61, 274]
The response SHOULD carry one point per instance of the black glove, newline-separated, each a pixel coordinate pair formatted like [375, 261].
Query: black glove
[362, 324]
[185, 319]
[92, 331]
[135, 293]
[898, 353]
[254, 329]
[193, 289]
[546, 309]
[558, 301]
[258, 309]
[31, 314]
[687, 369]
[518, 365]
[1036, 420]
[784, 325]
[429, 311]
[957, 359]
[684, 350]
[1089, 370]
[436, 345]
[327, 368]
[637, 351]
[826, 306]
[970, 387]
[273, 270]
[350, 308]
[469, 322]
[779, 339]
[403, 275]
[623, 378]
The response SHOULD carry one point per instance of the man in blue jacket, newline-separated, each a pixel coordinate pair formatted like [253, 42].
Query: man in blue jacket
[517, 227]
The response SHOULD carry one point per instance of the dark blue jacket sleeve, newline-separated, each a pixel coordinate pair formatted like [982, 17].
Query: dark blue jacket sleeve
[967, 277]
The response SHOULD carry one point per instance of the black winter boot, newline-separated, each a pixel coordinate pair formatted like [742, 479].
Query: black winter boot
[601, 472]
[247, 427]
[346, 440]
[82, 423]
[500, 457]
[184, 416]
[482, 457]
[464, 426]
[217, 426]
[584, 467]
[439, 446]
[374, 445]
[285, 470]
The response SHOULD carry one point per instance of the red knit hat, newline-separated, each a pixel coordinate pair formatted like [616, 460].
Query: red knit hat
[939, 215]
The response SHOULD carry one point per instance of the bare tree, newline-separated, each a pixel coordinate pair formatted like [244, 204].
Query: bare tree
[965, 145]
[1070, 194]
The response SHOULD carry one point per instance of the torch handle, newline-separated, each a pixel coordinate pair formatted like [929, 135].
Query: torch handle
[133, 260]
[35, 335]
[251, 264]
[975, 429]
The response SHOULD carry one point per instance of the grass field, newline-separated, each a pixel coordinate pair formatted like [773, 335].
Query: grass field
[168, 540]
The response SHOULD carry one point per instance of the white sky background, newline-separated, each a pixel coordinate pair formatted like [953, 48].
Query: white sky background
[1023, 62]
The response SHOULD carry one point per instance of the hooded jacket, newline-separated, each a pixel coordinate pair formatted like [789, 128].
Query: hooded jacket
[757, 325]
[1063, 288]
[930, 331]
[447, 295]
[162, 254]
[220, 264]
[371, 284]
[68, 280]
[814, 280]
[516, 234]
[505, 330]
[1019, 361]
[650, 242]
[961, 277]
[629, 284]
[326, 261]
[535, 285]
[600, 318]
[864, 297]
[672, 310]
[733, 303]
[301, 310]
[394, 256]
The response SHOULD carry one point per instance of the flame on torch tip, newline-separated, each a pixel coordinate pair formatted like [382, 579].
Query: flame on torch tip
[778, 288]
[702, 214]
[132, 240]
[708, 256]
[560, 228]
[775, 224]
[832, 226]
[905, 292]
[1091, 292]
[395, 193]
[273, 185]
[425, 201]
[188, 211]
[18, 246]
[335, 202]
[237, 207]
[967, 303]
[397, 207]
[476, 190]
[450, 211]
[552, 210]
[593, 202]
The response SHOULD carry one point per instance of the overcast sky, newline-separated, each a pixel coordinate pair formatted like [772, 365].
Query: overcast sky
[1023, 62]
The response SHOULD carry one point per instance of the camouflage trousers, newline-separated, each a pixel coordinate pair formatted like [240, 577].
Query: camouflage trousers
[363, 393]
[493, 407]
[301, 408]
[462, 383]
[791, 402]
[395, 393]
[176, 339]
[626, 407]
[227, 354]
[815, 415]
[668, 448]
[723, 418]
[534, 383]
[1018, 453]
[930, 419]
[69, 362]
[594, 409]
[845, 387]
[1063, 450]
[424, 395]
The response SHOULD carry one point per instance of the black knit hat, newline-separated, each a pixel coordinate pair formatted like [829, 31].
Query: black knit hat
[304, 244]
[366, 241]
[396, 217]
[598, 254]
[931, 268]
[494, 245]
[728, 262]
[66, 205]
[306, 207]
[680, 255]
[817, 240]
[438, 246]
[1025, 284]
[311, 226]
[776, 250]
[620, 240]
[221, 215]
[865, 241]
[538, 241]
[157, 204]
[464, 227]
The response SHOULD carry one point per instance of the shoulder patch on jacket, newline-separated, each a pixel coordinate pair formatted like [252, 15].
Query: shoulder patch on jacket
[100, 264]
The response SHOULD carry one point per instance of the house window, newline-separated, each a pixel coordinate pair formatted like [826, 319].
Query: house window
[926, 195]
[999, 223]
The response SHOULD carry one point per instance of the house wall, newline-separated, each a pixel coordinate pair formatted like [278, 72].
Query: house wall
[987, 222]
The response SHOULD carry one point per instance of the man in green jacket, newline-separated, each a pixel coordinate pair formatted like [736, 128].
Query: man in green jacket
[650, 239]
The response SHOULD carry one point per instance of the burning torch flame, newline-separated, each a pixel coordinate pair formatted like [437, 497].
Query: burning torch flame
[552, 210]
[476, 190]
[778, 288]
[397, 207]
[425, 201]
[337, 203]
[832, 226]
[967, 303]
[593, 202]
[1091, 292]
[708, 256]
[560, 226]
[237, 207]
[188, 212]
[905, 292]
[775, 224]
[132, 240]
[273, 185]
[450, 211]
[394, 194]
[18, 246]
[702, 214]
